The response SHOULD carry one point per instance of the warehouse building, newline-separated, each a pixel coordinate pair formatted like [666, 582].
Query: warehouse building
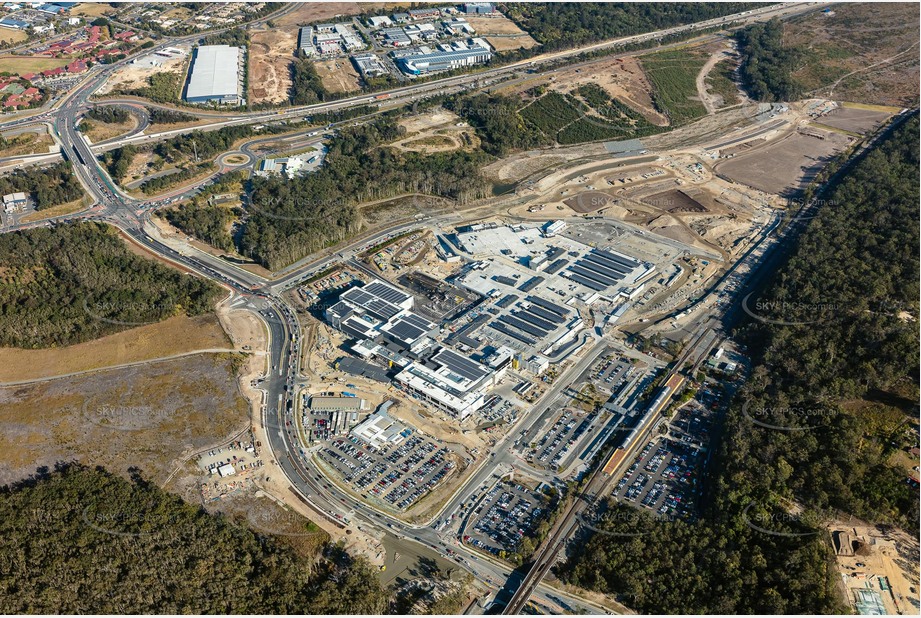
[421, 64]
[305, 41]
[215, 75]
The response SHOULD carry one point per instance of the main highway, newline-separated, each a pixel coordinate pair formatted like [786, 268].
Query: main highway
[264, 297]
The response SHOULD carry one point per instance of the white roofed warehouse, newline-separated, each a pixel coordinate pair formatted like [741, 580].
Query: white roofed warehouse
[216, 75]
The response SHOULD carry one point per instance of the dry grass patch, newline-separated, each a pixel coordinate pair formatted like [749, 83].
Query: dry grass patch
[177, 335]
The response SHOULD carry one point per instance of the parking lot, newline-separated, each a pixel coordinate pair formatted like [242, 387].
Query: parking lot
[498, 409]
[398, 475]
[559, 440]
[663, 478]
[507, 513]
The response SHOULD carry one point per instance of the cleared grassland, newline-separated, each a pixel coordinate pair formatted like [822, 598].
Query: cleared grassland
[177, 335]
[25, 64]
[147, 416]
[673, 77]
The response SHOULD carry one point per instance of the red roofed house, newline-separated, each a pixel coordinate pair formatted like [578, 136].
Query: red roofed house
[52, 72]
[28, 92]
[28, 76]
[77, 66]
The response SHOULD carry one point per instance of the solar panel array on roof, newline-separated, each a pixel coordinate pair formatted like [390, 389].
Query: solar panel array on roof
[546, 304]
[594, 275]
[381, 310]
[357, 296]
[506, 301]
[605, 264]
[556, 266]
[505, 280]
[617, 258]
[607, 273]
[547, 315]
[418, 321]
[586, 281]
[386, 292]
[460, 365]
[371, 303]
[405, 332]
[523, 326]
[502, 328]
[531, 283]
[542, 324]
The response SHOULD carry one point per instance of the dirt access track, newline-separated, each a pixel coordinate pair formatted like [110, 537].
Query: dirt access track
[271, 53]
[436, 131]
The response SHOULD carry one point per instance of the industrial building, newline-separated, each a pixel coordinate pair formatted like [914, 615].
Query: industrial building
[478, 8]
[305, 41]
[14, 201]
[424, 63]
[369, 65]
[328, 39]
[215, 75]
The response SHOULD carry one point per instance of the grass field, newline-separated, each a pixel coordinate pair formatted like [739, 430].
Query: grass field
[673, 75]
[92, 9]
[173, 336]
[55, 211]
[147, 416]
[13, 36]
[27, 64]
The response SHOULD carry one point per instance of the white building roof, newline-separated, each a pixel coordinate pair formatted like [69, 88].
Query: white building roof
[214, 73]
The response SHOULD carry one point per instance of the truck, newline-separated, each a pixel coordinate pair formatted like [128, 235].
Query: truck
[382, 96]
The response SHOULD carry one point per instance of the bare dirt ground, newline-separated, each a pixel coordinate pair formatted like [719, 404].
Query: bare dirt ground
[270, 57]
[177, 335]
[338, 75]
[436, 131]
[147, 416]
[309, 12]
[135, 76]
[856, 119]
[862, 52]
[622, 78]
[787, 164]
[711, 101]
[890, 555]
[501, 32]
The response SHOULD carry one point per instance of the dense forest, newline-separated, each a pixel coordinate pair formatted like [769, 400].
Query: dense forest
[207, 223]
[159, 115]
[290, 219]
[80, 541]
[852, 280]
[108, 114]
[562, 25]
[49, 186]
[73, 283]
[767, 66]
[498, 124]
